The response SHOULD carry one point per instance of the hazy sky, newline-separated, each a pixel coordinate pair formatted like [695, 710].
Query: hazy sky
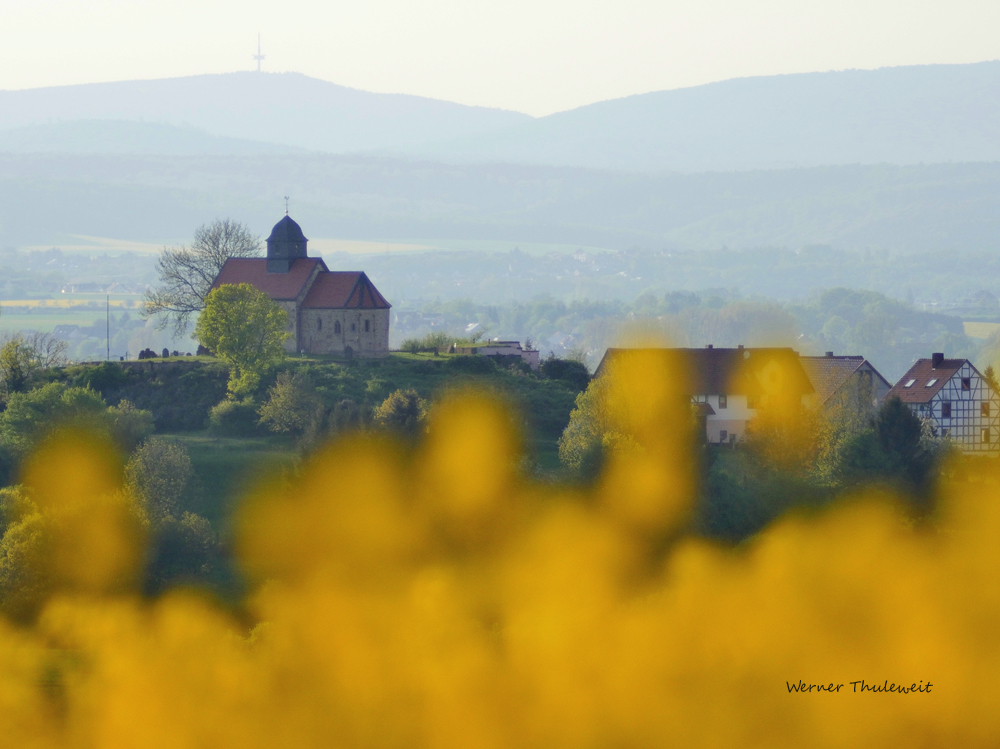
[536, 56]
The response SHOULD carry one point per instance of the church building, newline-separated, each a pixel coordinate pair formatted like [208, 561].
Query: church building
[330, 312]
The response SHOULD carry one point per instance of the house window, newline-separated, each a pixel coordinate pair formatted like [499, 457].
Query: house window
[354, 327]
[319, 323]
[909, 383]
[984, 408]
[946, 410]
[723, 435]
[986, 436]
[367, 326]
[966, 383]
[722, 401]
[931, 383]
[336, 327]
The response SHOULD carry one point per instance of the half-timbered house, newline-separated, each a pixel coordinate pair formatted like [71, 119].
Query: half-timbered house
[956, 398]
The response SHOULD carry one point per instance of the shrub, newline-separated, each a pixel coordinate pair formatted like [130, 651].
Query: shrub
[158, 476]
[292, 405]
[472, 364]
[573, 373]
[347, 416]
[129, 425]
[402, 412]
[234, 418]
[104, 378]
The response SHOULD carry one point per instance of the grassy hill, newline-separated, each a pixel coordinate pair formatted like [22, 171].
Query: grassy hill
[180, 392]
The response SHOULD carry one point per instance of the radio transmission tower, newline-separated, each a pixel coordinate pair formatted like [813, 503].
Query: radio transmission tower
[258, 57]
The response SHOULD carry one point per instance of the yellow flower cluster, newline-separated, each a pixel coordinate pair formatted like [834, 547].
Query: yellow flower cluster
[437, 599]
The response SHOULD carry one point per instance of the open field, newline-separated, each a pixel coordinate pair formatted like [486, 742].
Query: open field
[980, 329]
[77, 301]
[45, 322]
[229, 467]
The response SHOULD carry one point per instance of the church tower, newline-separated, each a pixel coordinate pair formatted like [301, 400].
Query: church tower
[286, 244]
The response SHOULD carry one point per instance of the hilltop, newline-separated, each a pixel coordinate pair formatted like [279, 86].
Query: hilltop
[289, 109]
[903, 115]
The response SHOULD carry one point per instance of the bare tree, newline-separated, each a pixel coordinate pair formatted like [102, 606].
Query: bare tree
[187, 273]
[22, 355]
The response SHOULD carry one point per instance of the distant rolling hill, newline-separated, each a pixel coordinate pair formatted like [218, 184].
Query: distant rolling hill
[903, 115]
[285, 108]
[125, 137]
[45, 198]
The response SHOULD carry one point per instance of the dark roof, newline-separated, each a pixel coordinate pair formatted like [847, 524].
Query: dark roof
[287, 230]
[340, 289]
[921, 373]
[730, 371]
[282, 286]
[829, 373]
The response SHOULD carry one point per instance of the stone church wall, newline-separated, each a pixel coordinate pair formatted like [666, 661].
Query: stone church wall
[332, 331]
[291, 345]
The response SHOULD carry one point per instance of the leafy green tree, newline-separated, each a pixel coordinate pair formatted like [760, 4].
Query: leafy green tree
[401, 412]
[24, 584]
[158, 476]
[244, 328]
[187, 273]
[897, 450]
[30, 416]
[990, 376]
[184, 547]
[129, 425]
[572, 372]
[582, 444]
[292, 407]
[17, 364]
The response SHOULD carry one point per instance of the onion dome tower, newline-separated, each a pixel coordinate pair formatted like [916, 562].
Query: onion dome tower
[286, 244]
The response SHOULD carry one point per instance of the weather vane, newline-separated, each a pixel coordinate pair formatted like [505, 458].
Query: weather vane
[258, 57]
[286, 205]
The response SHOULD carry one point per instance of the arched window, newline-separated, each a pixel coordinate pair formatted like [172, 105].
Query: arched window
[336, 328]
[367, 326]
[319, 323]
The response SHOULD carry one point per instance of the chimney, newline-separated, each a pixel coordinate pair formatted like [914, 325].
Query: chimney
[936, 360]
[829, 354]
[709, 345]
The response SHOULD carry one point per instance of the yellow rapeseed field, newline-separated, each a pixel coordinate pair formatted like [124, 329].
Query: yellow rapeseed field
[441, 600]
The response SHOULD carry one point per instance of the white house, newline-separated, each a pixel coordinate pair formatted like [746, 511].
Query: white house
[499, 348]
[956, 398]
[728, 384]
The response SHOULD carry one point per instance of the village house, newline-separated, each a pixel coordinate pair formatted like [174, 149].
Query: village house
[957, 400]
[728, 385]
[498, 348]
[330, 312]
[841, 382]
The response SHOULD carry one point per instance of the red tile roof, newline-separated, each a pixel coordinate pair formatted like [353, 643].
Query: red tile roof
[340, 289]
[730, 371]
[280, 286]
[921, 373]
[829, 373]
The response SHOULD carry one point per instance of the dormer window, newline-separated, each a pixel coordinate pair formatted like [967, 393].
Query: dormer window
[909, 383]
